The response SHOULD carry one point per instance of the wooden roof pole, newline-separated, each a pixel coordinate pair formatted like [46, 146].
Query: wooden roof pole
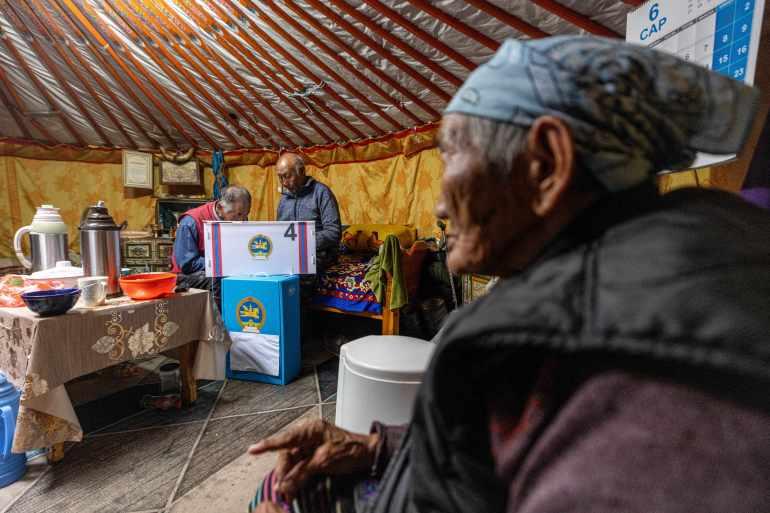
[53, 31]
[257, 47]
[421, 34]
[342, 62]
[508, 18]
[398, 43]
[371, 43]
[42, 54]
[169, 42]
[456, 24]
[140, 68]
[364, 62]
[170, 74]
[576, 18]
[42, 90]
[95, 33]
[161, 23]
[243, 55]
[17, 103]
[333, 74]
[68, 16]
[190, 46]
[159, 28]
[53, 26]
[14, 114]
[313, 77]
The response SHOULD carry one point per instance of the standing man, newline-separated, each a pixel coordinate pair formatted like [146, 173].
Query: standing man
[305, 199]
[187, 260]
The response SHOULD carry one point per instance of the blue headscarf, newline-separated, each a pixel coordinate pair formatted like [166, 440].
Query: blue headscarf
[633, 111]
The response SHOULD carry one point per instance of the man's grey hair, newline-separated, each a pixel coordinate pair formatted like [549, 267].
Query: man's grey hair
[500, 143]
[299, 164]
[234, 195]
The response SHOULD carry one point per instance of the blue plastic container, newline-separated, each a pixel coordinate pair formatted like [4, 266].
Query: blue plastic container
[12, 465]
[269, 306]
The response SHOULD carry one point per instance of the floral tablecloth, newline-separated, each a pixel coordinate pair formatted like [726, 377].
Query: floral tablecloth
[39, 355]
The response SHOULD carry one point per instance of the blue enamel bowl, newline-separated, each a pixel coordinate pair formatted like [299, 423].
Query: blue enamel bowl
[47, 303]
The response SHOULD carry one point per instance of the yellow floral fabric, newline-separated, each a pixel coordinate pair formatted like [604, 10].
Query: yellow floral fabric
[70, 186]
[397, 190]
[392, 180]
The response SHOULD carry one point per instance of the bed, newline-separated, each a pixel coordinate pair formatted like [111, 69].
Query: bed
[343, 289]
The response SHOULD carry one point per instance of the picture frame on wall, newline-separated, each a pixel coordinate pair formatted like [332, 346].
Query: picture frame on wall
[167, 211]
[137, 169]
[188, 173]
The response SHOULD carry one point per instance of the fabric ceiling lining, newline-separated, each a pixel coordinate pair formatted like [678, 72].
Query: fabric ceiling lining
[254, 74]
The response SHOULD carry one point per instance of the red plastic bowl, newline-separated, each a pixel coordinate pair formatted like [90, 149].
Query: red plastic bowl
[148, 285]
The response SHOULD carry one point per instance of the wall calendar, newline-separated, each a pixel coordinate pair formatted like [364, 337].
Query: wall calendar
[721, 35]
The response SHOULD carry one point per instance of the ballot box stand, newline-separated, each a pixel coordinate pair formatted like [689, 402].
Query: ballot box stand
[262, 314]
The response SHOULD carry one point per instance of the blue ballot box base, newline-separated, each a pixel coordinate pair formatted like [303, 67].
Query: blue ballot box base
[270, 306]
[258, 377]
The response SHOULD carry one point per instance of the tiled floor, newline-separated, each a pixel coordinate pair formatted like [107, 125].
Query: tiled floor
[190, 460]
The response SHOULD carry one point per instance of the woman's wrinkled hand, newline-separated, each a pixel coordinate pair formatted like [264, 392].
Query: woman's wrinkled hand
[313, 448]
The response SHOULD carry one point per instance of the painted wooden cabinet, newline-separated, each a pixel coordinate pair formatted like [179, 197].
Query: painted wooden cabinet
[147, 255]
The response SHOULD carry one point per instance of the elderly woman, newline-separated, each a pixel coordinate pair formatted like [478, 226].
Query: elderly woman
[622, 362]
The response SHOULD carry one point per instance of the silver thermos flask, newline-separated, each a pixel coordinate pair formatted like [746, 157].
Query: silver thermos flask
[100, 246]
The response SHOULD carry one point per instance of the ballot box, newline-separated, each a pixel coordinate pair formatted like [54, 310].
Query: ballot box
[256, 248]
[262, 316]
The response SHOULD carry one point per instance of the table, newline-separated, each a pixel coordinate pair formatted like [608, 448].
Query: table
[40, 354]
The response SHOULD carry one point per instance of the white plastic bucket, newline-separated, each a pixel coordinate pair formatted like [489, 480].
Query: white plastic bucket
[378, 380]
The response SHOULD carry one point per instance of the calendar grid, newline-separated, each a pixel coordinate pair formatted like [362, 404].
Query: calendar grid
[717, 38]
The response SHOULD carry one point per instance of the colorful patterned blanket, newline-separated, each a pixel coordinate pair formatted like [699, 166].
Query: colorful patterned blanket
[343, 286]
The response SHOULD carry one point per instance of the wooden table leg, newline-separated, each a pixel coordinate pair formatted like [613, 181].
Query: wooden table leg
[56, 453]
[186, 363]
[390, 320]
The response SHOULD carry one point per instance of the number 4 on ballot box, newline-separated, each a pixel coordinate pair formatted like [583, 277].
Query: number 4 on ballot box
[291, 232]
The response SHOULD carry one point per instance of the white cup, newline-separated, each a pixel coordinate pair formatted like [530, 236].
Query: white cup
[93, 290]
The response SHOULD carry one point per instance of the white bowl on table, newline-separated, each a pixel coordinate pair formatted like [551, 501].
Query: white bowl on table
[64, 272]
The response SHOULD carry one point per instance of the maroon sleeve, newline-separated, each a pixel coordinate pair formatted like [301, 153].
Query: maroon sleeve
[629, 443]
[388, 445]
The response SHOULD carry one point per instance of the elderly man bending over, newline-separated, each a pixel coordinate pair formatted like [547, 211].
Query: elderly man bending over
[187, 260]
[622, 362]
